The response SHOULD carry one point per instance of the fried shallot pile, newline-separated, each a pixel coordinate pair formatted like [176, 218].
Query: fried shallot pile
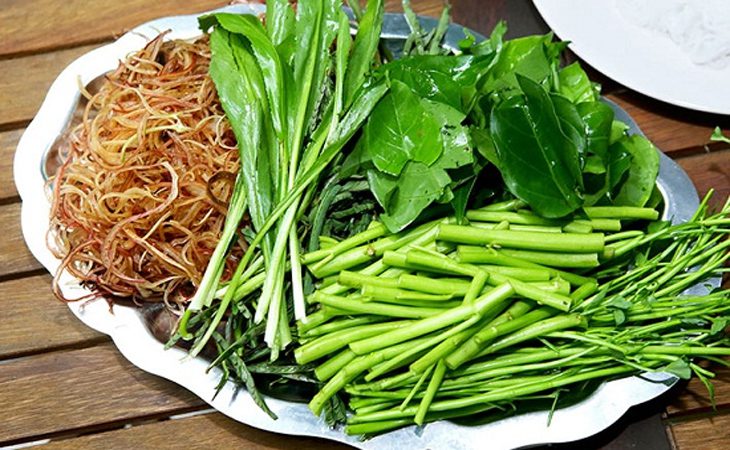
[140, 198]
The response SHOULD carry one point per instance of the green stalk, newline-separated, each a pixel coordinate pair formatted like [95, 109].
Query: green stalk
[563, 242]
[351, 371]
[436, 322]
[329, 368]
[621, 212]
[492, 256]
[334, 341]
[433, 386]
[454, 286]
[382, 309]
[374, 231]
[476, 345]
[404, 357]
[416, 387]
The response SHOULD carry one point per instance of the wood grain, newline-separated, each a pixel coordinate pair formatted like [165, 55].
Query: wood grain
[35, 321]
[45, 25]
[670, 128]
[8, 142]
[694, 398]
[14, 255]
[42, 25]
[62, 391]
[710, 170]
[210, 430]
[710, 433]
[24, 81]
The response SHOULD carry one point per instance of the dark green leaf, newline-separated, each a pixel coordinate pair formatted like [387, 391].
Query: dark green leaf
[679, 368]
[527, 56]
[575, 85]
[618, 131]
[494, 43]
[642, 173]
[598, 118]
[402, 129]
[539, 162]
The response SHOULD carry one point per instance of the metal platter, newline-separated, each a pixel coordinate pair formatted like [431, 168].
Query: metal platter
[127, 327]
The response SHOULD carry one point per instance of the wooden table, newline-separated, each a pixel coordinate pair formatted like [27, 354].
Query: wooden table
[63, 385]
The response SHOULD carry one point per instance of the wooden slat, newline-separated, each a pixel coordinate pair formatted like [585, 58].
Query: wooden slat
[711, 433]
[24, 81]
[14, 255]
[41, 25]
[711, 170]
[44, 25]
[35, 321]
[695, 398]
[211, 430]
[61, 391]
[671, 128]
[8, 142]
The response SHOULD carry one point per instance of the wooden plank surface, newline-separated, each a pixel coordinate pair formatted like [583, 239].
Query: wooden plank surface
[8, 142]
[210, 430]
[25, 81]
[694, 398]
[35, 321]
[68, 390]
[40, 25]
[672, 129]
[14, 255]
[44, 25]
[708, 433]
[710, 170]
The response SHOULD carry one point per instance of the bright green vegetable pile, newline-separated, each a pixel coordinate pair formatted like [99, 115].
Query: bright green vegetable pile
[441, 234]
[454, 320]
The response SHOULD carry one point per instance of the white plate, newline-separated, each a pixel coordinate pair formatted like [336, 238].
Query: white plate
[640, 59]
[128, 331]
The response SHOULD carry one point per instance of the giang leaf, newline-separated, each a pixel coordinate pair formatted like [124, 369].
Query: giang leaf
[598, 119]
[574, 129]
[618, 131]
[491, 45]
[526, 56]
[364, 48]
[539, 162]
[447, 79]
[406, 194]
[642, 173]
[401, 129]
[575, 84]
[409, 194]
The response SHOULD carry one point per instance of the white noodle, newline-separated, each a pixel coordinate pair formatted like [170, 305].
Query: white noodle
[701, 28]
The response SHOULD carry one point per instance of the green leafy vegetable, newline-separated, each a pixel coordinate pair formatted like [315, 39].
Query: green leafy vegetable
[539, 163]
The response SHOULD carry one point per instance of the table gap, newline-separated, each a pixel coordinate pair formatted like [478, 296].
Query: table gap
[103, 427]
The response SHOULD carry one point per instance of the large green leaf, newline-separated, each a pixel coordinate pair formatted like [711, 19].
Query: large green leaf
[642, 173]
[575, 85]
[538, 160]
[598, 119]
[401, 129]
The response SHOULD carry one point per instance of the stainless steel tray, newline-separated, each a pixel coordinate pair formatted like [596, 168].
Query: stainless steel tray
[126, 326]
